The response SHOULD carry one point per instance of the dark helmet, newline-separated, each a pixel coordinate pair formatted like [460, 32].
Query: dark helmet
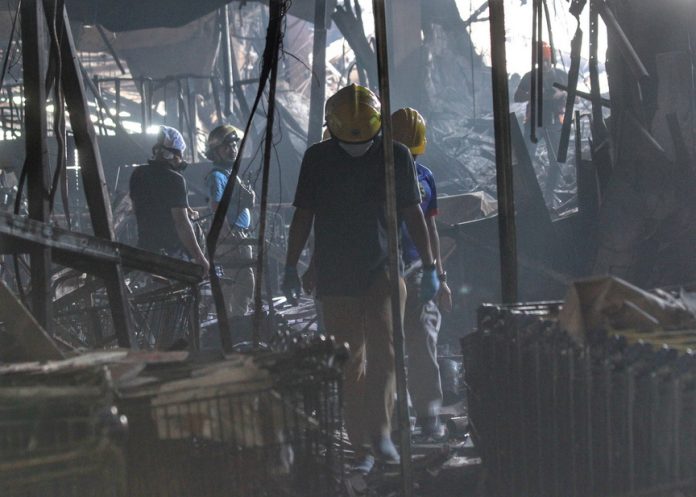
[222, 135]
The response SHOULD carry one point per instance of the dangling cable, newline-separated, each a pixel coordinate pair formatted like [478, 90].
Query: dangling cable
[6, 58]
[274, 33]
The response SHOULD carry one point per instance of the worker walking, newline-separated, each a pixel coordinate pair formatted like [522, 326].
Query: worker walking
[234, 253]
[341, 193]
[160, 201]
[553, 100]
[422, 319]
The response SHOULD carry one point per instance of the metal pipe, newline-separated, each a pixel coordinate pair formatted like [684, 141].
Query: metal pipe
[614, 28]
[226, 58]
[533, 93]
[378, 7]
[503, 155]
[276, 13]
[316, 103]
[33, 29]
[572, 91]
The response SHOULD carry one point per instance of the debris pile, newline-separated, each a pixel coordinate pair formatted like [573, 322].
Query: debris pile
[198, 425]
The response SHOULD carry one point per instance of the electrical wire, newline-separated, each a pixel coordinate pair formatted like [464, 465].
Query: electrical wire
[270, 54]
[6, 57]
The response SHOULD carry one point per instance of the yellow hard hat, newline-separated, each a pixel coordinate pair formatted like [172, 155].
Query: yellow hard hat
[353, 114]
[220, 136]
[409, 129]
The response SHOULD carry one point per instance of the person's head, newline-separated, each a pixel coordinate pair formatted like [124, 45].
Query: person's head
[409, 128]
[223, 143]
[170, 148]
[546, 56]
[353, 114]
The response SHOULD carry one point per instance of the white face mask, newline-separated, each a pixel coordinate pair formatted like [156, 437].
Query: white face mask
[356, 149]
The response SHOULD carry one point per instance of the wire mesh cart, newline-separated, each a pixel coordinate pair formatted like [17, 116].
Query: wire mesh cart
[260, 425]
[161, 315]
[56, 436]
[552, 417]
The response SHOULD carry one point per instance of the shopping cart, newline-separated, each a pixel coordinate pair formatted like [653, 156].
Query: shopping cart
[272, 431]
[56, 436]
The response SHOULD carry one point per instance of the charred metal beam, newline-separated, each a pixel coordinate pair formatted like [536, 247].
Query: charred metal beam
[275, 10]
[110, 48]
[72, 248]
[227, 77]
[92, 171]
[584, 95]
[630, 55]
[38, 171]
[351, 28]
[571, 91]
[503, 155]
[407, 489]
[316, 103]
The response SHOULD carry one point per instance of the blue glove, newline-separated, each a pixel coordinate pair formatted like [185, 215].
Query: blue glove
[430, 284]
[292, 288]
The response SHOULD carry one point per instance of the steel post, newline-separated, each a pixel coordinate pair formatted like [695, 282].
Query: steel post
[503, 154]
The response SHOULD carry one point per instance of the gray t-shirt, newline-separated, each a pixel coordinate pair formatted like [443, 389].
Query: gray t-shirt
[347, 195]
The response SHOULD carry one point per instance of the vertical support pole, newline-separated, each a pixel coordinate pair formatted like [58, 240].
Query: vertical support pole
[180, 106]
[143, 106]
[192, 118]
[117, 90]
[93, 176]
[316, 103]
[239, 93]
[38, 174]
[148, 100]
[378, 7]
[268, 145]
[503, 154]
[226, 59]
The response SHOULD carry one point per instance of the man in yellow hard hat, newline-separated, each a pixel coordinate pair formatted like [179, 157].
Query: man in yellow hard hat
[341, 193]
[422, 319]
[233, 252]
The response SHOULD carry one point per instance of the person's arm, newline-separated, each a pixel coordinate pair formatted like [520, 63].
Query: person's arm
[300, 227]
[418, 231]
[188, 238]
[444, 296]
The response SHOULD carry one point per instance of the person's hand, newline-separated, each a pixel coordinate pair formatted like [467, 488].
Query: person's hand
[429, 285]
[193, 214]
[292, 288]
[444, 297]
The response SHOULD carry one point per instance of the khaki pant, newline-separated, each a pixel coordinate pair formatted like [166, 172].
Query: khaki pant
[237, 281]
[421, 327]
[369, 386]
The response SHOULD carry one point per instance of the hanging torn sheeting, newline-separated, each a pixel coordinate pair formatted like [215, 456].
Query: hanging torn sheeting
[646, 219]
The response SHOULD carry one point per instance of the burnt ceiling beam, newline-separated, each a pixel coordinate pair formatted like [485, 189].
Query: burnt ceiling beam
[92, 170]
[20, 234]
